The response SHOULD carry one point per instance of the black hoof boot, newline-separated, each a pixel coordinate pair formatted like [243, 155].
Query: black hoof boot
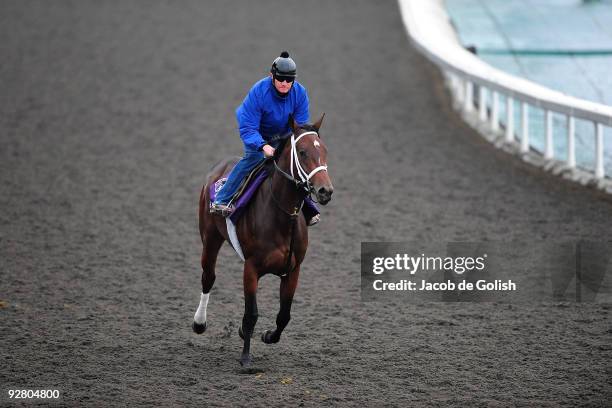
[199, 328]
[269, 338]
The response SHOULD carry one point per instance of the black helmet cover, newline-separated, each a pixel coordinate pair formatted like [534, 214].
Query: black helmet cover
[284, 66]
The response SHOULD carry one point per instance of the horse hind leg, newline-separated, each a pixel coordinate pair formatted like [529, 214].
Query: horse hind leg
[210, 250]
[249, 319]
[287, 290]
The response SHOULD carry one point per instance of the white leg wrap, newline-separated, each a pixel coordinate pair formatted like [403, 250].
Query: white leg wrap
[200, 314]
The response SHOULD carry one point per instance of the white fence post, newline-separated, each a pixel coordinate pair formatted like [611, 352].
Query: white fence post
[599, 159]
[548, 147]
[509, 119]
[494, 111]
[525, 127]
[482, 102]
[459, 88]
[571, 142]
[453, 85]
[468, 100]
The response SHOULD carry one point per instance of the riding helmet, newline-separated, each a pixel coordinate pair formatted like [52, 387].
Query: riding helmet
[284, 66]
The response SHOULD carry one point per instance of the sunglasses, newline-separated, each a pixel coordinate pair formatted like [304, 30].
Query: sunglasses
[284, 79]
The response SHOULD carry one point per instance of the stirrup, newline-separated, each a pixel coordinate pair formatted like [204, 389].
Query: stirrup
[314, 220]
[221, 209]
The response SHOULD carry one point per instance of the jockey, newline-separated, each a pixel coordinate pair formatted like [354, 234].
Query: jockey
[263, 121]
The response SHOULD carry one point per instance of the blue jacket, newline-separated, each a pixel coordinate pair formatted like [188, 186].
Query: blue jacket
[263, 115]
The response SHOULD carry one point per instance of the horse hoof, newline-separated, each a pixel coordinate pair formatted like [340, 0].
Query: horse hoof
[267, 337]
[198, 328]
[246, 361]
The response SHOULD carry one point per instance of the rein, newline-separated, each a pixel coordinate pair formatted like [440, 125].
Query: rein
[302, 184]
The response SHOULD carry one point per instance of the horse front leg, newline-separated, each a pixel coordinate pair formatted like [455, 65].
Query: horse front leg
[287, 290]
[249, 319]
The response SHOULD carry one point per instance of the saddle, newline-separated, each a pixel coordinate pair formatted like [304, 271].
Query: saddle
[245, 191]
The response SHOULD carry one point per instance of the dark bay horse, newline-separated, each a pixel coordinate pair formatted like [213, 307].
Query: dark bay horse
[272, 231]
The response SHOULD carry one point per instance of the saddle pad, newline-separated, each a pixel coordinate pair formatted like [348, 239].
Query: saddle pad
[216, 187]
[245, 192]
[248, 192]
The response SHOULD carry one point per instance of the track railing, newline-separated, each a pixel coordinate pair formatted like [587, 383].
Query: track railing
[471, 80]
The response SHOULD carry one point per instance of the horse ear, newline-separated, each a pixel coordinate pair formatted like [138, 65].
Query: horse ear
[293, 124]
[317, 125]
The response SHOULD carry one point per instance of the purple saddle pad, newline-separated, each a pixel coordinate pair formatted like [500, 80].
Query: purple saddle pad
[248, 192]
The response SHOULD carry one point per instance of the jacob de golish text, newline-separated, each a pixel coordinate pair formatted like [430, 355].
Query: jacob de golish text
[423, 285]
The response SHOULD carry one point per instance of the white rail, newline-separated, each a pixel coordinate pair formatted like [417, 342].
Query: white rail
[430, 30]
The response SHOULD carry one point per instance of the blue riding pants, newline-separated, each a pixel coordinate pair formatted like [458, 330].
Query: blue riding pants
[248, 162]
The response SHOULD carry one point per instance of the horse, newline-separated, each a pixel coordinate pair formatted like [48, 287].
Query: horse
[272, 231]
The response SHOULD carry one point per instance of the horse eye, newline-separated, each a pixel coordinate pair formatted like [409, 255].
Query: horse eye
[303, 153]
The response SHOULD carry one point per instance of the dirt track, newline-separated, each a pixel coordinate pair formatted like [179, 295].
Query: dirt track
[110, 116]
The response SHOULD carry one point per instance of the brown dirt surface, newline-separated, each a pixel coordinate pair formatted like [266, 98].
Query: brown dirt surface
[111, 113]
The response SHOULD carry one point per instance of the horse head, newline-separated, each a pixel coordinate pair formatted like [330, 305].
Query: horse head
[306, 158]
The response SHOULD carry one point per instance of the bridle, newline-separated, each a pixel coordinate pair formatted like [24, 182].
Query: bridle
[304, 177]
